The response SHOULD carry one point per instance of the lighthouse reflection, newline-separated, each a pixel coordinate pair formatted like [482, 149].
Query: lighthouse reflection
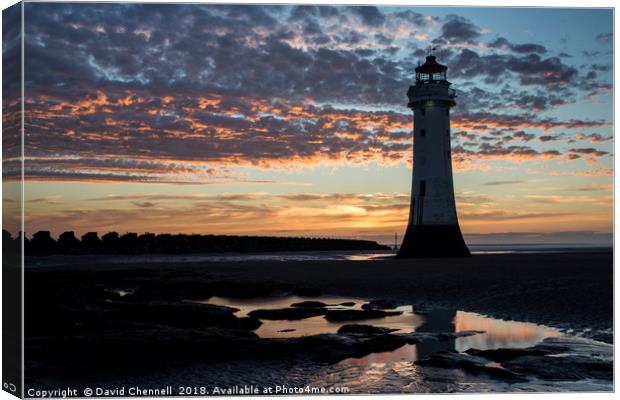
[441, 320]
[496, 334]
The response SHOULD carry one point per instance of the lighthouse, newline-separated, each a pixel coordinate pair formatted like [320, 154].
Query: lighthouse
[433, 228]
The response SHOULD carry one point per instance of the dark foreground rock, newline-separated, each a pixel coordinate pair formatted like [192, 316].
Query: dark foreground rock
[567, 359]
[355, 315]
[380, 304]
[555, 359]
[297, 313]
[568, 368]
[309, 304]
[175, 345]
[503, 355]
[605, 337]
[289, 314]
[364, 329]
[472, 364]
[182, 314]
[80, 302]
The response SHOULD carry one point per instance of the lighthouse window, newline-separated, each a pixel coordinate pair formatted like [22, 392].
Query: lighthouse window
[422, 188]
[423, 132]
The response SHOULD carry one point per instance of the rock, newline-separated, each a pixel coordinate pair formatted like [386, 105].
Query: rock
[418, 337]
[249, 323]
[364, 329]
[290, 314]
[578, 346]
[605, 337]
[380, 304]
[330, 348]
[151, 345]
[456, 335]
[354, 315]
[565, 368]
[503, 355]
[472, 364]
[182, 314]
[566, 358]
[309, 304]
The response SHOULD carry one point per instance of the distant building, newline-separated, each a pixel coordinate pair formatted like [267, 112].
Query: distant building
[433, 228]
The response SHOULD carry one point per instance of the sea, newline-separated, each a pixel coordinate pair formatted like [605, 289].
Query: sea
[345, 255]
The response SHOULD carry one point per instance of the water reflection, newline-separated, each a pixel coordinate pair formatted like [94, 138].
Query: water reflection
[396, 371]
[406, 322]
[441, 320]
[498, 333]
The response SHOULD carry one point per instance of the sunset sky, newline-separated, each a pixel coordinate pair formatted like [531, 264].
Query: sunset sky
[292, 121]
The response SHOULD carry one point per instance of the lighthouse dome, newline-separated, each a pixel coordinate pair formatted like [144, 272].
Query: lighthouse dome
[431, 70]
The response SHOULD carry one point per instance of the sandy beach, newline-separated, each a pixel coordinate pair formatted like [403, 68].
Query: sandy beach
[562, 289]
[567, 290]
[185, 316]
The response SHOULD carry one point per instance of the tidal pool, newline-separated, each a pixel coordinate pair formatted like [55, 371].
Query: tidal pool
[497, 333]
[396, 371]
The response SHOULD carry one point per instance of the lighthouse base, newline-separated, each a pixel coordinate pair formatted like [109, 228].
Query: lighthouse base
[433, 241]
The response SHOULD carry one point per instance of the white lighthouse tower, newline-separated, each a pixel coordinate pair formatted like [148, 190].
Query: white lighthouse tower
[433, 229]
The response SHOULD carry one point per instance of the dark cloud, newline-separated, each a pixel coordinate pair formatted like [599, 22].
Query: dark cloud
[589, 152]
[113, 87]
[594, 188]
[370, 15]
[497, 150]
[523, 136]
[600, 68]
[593, 137]
[458, 30]
[145, 204]
[505, 44]
[605, 37]
[488, 120]
[551, 138]
[501, 183]
[530, 69]
[415, 18]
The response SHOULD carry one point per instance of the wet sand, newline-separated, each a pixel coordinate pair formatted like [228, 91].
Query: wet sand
[566, 290]
[102, 324]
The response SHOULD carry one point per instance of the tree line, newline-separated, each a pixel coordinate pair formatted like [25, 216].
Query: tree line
[42, 243]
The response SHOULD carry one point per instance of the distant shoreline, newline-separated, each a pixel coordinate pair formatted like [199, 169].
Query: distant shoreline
[43, 244]
[60, 260]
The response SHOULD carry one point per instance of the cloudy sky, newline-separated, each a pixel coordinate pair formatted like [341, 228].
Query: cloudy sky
[285, 120]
